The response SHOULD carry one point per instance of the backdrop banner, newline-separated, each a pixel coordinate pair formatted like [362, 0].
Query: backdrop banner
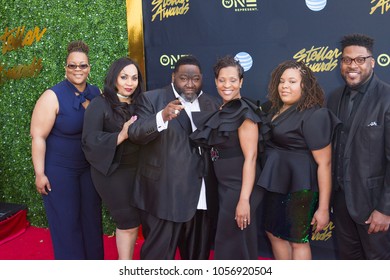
[262, 34]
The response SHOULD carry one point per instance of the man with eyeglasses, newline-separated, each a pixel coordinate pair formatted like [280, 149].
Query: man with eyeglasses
[361, 155]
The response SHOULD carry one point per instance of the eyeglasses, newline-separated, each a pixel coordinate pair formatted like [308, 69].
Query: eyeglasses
[74, 66]
[358, 60]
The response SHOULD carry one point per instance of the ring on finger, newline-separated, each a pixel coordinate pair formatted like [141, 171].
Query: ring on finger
[176, 112]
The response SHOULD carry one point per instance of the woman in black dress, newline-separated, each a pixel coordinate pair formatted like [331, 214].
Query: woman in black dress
[297, 169]
[233, 134]
[112, 156]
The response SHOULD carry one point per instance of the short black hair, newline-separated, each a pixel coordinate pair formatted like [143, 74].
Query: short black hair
[187, 60]
[357, 40]
[77, 46]
[228, 61]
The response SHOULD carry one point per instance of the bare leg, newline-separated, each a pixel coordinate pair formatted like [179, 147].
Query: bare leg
[281, 248]
[125, 242]
[301, 251]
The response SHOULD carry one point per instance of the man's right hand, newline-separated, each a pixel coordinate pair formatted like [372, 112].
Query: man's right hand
[172, 110]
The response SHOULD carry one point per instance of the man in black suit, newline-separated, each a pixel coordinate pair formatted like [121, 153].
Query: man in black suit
[361, 155]
[175, 188]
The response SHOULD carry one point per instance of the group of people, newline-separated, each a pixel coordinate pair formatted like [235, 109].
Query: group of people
[192, 168]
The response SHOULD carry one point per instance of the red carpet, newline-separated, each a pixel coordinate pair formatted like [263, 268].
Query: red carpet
[35, 244]
[20, 241]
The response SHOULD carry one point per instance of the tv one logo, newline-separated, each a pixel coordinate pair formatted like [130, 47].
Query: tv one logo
[383, 60]
[239, 3]
[170, 60]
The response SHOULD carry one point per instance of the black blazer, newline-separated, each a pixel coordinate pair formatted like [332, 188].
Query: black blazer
[366, 163]
[168, 180]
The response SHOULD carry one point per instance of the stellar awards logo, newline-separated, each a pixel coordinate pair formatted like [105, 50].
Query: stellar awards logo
[319, 59]
[163, 9]
[381, 6]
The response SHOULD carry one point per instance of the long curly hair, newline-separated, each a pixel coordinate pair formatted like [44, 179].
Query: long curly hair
[312, 93]
[110, 90]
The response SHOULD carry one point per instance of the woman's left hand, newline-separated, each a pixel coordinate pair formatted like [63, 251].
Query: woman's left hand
[243, 214]
[123, 134]
[320, 220]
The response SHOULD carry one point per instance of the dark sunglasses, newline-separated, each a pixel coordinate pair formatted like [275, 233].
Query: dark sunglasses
[74, 66]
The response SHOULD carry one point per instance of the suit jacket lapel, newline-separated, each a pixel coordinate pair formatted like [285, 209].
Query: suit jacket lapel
[182, 118]
[185, 121]
[339, 99]
[356, 122]
[169, 96]
[360, 113]
[205, 104]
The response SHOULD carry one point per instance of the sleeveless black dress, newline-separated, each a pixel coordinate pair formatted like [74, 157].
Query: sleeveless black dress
[220, 131]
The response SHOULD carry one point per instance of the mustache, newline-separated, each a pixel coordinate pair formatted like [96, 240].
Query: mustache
[189, 97]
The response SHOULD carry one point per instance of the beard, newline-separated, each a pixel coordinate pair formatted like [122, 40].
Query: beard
[189, 97]
[357, 82]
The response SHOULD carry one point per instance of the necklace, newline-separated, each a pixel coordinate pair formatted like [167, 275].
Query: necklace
[220, 107]
[284, 108]
[122, 96]
[281, 110]
[228, 102]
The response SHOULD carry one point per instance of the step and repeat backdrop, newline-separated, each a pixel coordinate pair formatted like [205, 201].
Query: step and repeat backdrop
[262, 34]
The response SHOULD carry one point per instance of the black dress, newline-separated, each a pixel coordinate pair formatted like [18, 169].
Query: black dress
[220, 131]
[113, 167]
[290, 171]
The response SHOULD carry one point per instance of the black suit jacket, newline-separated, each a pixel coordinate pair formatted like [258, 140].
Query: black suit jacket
[168, 180]
[366, 159]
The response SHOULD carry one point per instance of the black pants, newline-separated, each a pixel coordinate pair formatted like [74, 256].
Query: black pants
[354, 243]
[163, 237]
